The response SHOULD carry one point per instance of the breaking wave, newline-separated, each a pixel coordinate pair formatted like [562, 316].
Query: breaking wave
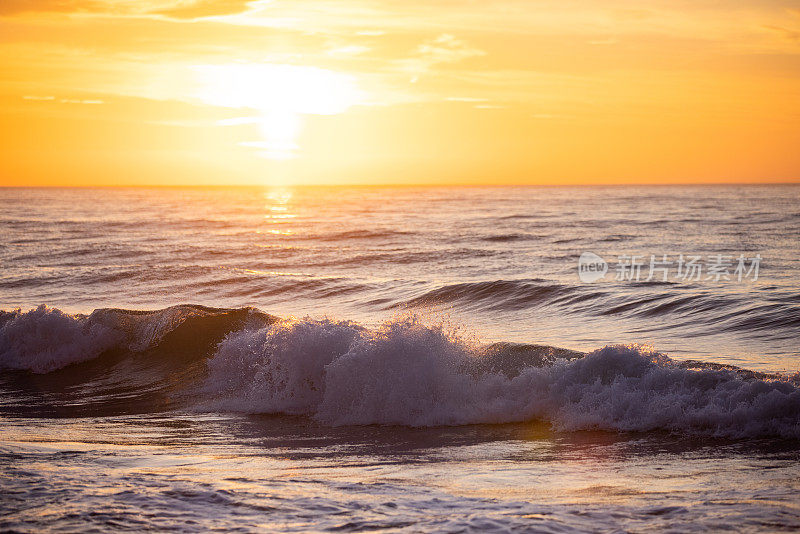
[409, 373]
[46, 339]
[406, 372]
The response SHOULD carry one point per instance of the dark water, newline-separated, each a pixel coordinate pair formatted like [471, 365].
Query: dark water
[448, 368]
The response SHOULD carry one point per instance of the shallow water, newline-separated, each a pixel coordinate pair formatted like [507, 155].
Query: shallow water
[184, 472]
[450, 373]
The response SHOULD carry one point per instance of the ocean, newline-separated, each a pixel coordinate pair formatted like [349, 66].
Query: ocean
[554, 359]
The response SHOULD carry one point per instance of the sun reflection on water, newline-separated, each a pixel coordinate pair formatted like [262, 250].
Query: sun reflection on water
[278, 210]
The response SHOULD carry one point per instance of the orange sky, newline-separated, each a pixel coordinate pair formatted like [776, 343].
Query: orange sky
[113, 92]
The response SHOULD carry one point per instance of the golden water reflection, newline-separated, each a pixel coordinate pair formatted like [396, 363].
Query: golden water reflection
[279, 210]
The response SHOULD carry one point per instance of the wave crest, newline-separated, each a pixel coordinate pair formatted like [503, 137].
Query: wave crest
[405, 372]
[408, 373]
[46, 339]
[280, 369]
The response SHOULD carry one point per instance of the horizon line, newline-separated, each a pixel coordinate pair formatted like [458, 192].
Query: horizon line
[394, 185]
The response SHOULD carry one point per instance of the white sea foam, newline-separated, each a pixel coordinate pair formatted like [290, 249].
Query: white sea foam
[46, 339]
[407, 373]
[278, 369]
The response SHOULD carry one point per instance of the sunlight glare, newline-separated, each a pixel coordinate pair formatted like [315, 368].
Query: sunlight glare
[281, 94]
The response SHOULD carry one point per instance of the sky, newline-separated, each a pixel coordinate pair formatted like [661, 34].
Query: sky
[271, 92]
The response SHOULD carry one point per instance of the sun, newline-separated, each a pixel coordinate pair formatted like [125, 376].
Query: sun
[280, 94]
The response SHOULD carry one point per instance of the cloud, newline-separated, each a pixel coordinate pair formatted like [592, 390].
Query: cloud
[447, 49]
[50, 98]
[347, 51]
[78, 101]
[465, 99]
[790, 34]
[12, 7]
[441, 50]
[195, 9]
[176, 9]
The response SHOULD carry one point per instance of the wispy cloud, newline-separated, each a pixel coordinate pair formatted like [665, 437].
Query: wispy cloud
[50, 98]
[80, 101]
[787, 33]
[347, 51]
[465, 99]
[445, 48]
[177, 9]
[11, 7]
[195, 9]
